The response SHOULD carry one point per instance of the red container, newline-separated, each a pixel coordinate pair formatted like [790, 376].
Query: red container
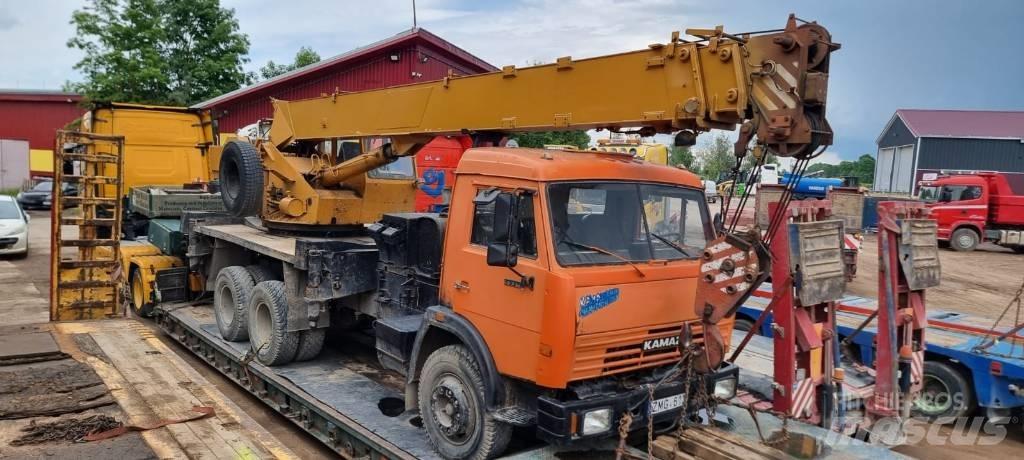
[435, 167]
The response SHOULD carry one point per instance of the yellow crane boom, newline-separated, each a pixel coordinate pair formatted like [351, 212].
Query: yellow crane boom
[773, 84]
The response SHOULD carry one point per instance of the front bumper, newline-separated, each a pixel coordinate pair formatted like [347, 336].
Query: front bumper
[560, 422]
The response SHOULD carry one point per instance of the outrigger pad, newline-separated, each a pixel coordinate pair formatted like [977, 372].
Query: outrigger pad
[816, 256]
[919, 253]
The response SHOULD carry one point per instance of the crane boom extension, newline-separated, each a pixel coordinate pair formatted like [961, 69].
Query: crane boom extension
[774, 85]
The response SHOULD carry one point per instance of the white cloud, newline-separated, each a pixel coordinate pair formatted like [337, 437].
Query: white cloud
[34, 36]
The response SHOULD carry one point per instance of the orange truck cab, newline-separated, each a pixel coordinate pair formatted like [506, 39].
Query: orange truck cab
[570, 276]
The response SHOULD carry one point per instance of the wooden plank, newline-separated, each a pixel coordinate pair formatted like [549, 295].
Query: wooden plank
[168, 388]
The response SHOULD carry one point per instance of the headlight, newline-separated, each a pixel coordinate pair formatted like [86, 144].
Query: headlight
[725, 389]
[11, 231]
[597, 421]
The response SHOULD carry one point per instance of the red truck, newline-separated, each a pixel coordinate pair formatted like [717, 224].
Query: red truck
[976, 207]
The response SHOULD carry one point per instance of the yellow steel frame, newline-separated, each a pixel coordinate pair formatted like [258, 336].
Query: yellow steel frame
[719, 82]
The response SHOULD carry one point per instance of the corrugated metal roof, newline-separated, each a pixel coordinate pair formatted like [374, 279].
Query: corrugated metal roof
[326, 64]
[38, 95]
[989, 124]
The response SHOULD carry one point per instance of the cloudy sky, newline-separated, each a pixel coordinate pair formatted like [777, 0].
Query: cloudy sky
[896, 54]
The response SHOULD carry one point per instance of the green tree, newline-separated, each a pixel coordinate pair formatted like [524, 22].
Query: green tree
[539, 139]
[681, 156]
[304, 57]
[717, 156]
[863, 169]
[173, 52]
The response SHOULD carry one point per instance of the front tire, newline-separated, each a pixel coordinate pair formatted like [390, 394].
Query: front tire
[452, 407]
[964, 240]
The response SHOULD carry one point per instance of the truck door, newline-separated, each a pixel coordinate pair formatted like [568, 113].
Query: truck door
[506, 311]
[959, 204]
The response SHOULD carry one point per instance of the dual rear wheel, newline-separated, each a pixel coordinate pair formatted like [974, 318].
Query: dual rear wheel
[250, 304]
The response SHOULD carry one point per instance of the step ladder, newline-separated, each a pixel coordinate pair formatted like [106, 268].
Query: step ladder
[86, 277]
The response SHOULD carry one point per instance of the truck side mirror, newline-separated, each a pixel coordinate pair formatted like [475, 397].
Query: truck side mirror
[503, 247]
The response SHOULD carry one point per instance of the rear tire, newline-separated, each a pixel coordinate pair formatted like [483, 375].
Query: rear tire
[964, 240]
[241, 179]
[260, 273]
[311, 341]
[452, 407]
[946, 394]
[231, 292]
[268, 320]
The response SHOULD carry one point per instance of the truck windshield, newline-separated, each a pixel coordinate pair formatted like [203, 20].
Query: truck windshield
[612, 222]
[928, 193]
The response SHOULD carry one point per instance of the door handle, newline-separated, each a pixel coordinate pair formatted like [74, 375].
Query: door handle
[462, 285]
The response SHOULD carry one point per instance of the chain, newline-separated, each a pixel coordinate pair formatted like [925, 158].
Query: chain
[989, 342]
[624, 423]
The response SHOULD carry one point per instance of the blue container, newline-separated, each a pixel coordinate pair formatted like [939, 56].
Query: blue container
[812, 187]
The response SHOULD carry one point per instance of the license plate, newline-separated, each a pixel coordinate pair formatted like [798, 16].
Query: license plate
[666, 404]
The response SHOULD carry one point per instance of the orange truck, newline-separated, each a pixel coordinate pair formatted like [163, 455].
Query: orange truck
[550, 296]
[478, 327]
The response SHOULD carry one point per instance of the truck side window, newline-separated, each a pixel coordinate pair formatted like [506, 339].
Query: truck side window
[483, 224]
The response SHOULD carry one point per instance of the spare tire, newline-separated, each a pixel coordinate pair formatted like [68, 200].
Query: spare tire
[241, 179]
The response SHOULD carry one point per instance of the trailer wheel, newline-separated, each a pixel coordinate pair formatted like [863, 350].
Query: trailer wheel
[241, 179]
[945, 394]
[311, 341]
[451, 404]
[964, 239]
[231, 292]
[268, 319]
[743, 325]
[140, 304]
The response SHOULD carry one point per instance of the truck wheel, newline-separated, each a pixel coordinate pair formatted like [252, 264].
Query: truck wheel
[241, 179]
[964, 239]
[451, 404]
[141, 305]
[743, 325]
[231, 292]
[945, 394]
[268, 318]
[260, 273]
[311, 341]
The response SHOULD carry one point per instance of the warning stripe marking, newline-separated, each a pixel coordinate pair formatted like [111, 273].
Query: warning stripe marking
[803, 397]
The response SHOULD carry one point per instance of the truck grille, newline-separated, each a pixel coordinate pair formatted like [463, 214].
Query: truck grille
[609, 353]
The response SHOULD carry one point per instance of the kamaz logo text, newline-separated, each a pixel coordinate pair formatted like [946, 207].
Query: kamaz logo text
[664, 342]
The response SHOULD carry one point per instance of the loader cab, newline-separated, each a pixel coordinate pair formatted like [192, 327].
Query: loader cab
[539, 243]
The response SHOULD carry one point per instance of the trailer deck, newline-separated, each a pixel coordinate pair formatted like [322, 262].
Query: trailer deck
[357, 410]
[949, 337]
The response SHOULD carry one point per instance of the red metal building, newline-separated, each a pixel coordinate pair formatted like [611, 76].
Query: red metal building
[415, 55]
[36, 115]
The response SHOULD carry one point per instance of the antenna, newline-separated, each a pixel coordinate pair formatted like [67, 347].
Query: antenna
[413, 14]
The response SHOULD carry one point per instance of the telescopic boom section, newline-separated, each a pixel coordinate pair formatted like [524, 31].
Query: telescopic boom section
[771, 84]
[774, 84]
